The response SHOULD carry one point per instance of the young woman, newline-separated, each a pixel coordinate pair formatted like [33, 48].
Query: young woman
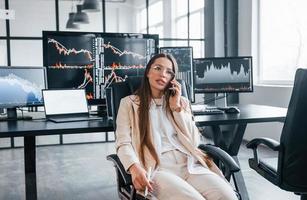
[156, 133]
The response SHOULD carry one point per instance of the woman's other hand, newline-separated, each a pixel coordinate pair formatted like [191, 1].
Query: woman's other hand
[139, 179]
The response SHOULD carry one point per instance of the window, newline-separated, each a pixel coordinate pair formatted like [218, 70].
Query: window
[173, 43]
[141, 20]
[283, 39]
[197, 5]
[198, 48]
[155, 18]
[197, 28]
[180, 19]
[120, 17]
[181, 30]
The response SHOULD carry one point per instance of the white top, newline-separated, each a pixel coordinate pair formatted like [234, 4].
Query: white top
[165, 136]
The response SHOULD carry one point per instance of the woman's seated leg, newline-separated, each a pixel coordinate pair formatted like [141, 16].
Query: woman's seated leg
[168, 186]
[212, 186]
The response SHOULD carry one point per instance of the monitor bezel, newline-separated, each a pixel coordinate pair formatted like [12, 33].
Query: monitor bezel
[224, 91]
[26, 104]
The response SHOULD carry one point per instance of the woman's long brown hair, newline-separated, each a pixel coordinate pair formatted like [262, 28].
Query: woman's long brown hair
[145, 96]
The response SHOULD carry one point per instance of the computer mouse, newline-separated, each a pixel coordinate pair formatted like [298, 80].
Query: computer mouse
[232, 110]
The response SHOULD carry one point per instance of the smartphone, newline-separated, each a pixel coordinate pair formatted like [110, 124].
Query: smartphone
[170, 85]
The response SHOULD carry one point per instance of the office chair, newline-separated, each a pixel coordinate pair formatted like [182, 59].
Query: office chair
[291, 173]
[124, 183]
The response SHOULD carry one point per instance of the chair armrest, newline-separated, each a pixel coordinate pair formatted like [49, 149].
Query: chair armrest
[259, 166]
[272, 144]
[219, 154]
[119, 166]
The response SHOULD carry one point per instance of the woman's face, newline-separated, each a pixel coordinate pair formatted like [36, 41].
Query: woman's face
[160, 74]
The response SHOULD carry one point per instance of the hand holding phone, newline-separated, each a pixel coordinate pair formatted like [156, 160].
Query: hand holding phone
[175, 96]
[171, 87]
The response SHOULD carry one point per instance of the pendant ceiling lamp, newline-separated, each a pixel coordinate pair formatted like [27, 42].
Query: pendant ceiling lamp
[81, 17]
[90, 6]
[70, 23]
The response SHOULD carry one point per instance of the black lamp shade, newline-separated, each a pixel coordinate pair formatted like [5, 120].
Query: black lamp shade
[70, 23]
[90, 6]
[81, 17]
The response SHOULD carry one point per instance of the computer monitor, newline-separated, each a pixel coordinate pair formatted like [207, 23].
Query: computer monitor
[69, 59]
[21, 86]
[223, 74]
[94, 60]
[126, 55]
[184, 58]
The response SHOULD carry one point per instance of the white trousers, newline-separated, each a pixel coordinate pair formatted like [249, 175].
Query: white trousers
[173, 181]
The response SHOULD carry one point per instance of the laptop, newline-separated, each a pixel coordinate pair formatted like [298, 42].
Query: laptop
[68, 105]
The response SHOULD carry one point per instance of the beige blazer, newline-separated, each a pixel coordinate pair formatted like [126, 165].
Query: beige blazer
[128, 140]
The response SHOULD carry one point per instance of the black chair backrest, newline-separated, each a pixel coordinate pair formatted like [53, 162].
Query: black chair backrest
[123, 89]
[119, 90]
[293, 158]
[134, 82]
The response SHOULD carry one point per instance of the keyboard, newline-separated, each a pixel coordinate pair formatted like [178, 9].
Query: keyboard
[73, 119]
[208, 112]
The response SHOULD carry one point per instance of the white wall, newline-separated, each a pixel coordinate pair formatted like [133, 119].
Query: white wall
[266, 95]
[263, 94]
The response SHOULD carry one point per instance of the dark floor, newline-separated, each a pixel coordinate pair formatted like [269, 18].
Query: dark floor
[82, 172]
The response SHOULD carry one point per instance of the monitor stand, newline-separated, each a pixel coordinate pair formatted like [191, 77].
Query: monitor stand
[221, 103]
[221, 100]
[11, 115]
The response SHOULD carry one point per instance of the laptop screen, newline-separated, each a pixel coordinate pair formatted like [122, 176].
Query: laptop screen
[69, 101]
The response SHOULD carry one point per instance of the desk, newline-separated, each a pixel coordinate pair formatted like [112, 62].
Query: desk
[30, 129]
[230, 142]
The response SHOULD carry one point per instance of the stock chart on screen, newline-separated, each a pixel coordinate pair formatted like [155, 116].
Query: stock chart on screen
[94, 60]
